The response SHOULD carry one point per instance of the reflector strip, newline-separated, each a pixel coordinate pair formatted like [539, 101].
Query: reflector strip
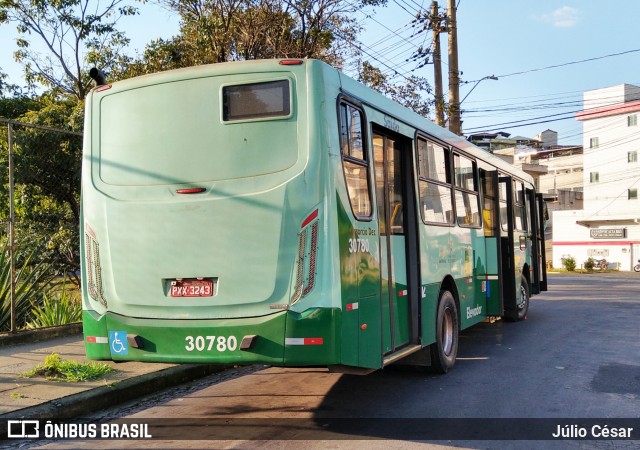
[492, 277]
[97, 340]
[351, 306]
[308, 220]
[303, 341]
[469, 280]
[403, 293]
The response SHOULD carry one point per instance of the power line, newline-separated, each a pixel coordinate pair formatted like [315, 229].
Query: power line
[568, 63]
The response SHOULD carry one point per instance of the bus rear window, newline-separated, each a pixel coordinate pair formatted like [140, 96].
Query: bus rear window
[256, 100]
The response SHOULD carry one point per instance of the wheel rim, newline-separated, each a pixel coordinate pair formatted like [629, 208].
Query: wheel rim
[523, 298]
[447, 332]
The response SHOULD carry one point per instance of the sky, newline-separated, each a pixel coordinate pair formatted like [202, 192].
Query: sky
[591, 45]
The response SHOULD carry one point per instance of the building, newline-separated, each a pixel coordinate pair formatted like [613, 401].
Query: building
[556, 169]
[609, 225]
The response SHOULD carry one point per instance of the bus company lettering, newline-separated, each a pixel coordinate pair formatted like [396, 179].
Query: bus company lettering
[365, 232]
[472, 312]
[391, 124]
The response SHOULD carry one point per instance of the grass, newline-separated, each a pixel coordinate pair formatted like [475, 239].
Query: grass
[57, 369]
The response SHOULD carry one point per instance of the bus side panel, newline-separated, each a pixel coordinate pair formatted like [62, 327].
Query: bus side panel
[318, 344]
[360, 281]
[435, 264]
[468, 244]
[492, 282]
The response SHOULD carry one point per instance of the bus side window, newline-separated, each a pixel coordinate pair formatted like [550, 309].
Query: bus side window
[434, 183]
[489, 195]
[466, 189]
[519, 209]
[354, 159]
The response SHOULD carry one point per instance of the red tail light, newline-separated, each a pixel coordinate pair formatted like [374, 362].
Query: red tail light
[291, 62]
[190, 191]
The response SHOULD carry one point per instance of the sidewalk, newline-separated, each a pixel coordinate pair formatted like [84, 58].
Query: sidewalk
[38, 398]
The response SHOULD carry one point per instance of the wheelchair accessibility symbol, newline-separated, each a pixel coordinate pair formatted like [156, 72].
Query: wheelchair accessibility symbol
[118, 342]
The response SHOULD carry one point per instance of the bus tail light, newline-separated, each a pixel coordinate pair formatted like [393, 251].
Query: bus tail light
[291, 62]
[307, 257]
[94, 270]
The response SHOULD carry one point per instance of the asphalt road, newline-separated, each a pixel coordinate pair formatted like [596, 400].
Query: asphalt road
[576, 356]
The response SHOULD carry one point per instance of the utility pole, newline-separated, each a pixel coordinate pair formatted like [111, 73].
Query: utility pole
[454, 74]
[436, 21]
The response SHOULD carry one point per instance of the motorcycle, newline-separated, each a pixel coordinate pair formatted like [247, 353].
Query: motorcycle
[602, 264]
[636, 268]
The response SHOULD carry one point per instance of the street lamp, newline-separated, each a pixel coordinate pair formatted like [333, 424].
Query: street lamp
[488, 77]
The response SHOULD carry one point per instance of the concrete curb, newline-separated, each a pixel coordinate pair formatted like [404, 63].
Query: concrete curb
[40, 334]
[94, 400]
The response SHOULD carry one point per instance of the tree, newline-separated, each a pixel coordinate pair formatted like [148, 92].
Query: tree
[47, 174]
[410, 94]
[48, 170]
[75, 33]
[231, 30]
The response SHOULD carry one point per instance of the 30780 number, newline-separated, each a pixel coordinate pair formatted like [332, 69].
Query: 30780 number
[211, 343]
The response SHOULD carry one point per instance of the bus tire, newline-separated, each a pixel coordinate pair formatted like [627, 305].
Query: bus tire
[522, 303]
[445, 349]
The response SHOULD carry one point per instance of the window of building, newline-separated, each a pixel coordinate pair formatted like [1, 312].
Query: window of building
[632, 120]
[594, 177]
[632, 156]
[594, 142]
[633, 194]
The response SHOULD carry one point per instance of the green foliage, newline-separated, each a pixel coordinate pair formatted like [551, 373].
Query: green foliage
[76, 33]
[409, 94]
[31, 281]
[56, 309]
[232, 30]
[47, 174]
[57, 369]
[569, 263]
[589, 264]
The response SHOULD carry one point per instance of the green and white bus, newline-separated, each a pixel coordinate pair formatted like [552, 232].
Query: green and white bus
[279, 212]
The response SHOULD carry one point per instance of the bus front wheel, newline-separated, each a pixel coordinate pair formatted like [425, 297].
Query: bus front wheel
[445, 349]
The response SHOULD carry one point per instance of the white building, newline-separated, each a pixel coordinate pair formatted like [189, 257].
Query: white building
[609, 224]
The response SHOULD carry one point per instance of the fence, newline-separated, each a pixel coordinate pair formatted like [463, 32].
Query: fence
[11, 246]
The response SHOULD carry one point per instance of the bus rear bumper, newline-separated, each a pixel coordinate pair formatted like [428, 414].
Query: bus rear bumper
[281, 339]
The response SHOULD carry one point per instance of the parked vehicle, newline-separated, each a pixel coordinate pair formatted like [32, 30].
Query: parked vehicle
[601, 264]
[636, 268]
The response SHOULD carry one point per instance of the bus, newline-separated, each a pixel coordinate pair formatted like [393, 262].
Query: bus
[280, 212]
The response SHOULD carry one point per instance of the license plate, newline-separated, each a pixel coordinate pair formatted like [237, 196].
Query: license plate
[191, 288]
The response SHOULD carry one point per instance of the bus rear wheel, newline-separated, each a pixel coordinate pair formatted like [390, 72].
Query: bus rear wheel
[522, 303]
[445, 349]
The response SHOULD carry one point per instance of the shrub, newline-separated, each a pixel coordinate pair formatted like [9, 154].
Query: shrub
[30, 281]
[569, 263]
[59, 310]
[589, 264]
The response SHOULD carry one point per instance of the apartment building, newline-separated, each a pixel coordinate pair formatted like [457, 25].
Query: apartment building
[609, 224]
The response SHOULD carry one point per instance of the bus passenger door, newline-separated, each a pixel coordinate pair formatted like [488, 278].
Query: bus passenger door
[492, 287]
[507, 244]
[398, 241]
[536, 235]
